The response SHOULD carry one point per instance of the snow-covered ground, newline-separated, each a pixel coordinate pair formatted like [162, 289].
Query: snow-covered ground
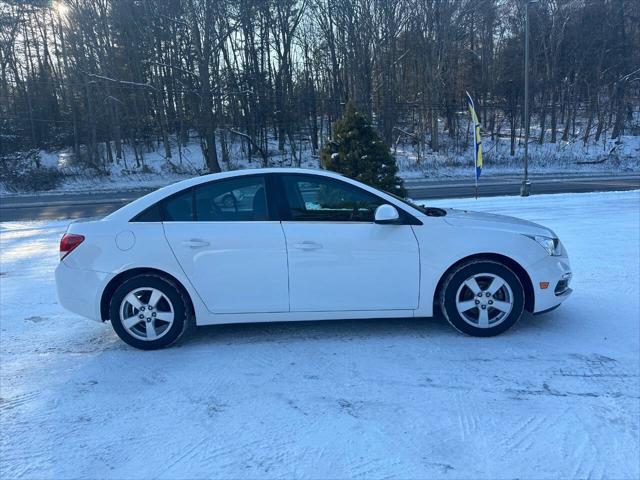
[573, 156]
[453, 160]
[555, 397]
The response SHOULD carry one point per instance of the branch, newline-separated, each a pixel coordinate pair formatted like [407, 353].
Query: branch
[174, 20]
[252, 141]
[629, 75]
[188, 72]
[111, 97]
[405, 132]
[122, 82]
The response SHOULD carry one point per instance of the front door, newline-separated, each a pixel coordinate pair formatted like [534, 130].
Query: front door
[339, 259]
[224, 240]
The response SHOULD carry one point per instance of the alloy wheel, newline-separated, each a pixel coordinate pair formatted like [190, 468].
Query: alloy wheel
[146, 313]
[484, 300]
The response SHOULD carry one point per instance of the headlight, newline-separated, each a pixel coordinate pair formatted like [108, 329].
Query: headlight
[551, 245]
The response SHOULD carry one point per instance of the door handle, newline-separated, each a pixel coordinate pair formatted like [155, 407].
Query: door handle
[307, 245]
[195, 243]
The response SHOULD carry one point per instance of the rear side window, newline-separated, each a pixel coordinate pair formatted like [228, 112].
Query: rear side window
[241, 199]
[151, 214]
[179, 208]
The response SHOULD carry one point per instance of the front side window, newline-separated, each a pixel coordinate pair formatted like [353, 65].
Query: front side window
[313, 198]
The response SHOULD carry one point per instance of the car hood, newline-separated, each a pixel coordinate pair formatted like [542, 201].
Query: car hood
[464, 218]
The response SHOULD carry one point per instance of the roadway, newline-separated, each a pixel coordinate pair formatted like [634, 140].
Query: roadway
[95, 204]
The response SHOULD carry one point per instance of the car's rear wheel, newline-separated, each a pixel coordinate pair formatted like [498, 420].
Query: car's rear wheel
[149, 312]
[482, 298]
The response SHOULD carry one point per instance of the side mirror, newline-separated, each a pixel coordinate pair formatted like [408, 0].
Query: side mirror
[386, 214]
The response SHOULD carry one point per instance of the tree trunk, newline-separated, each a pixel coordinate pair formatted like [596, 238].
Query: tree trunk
[554, 116]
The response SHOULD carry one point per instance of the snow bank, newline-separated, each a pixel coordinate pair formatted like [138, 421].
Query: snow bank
[557, 396]
[453, 160]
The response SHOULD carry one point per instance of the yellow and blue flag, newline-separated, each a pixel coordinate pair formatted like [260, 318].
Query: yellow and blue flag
[477, 139]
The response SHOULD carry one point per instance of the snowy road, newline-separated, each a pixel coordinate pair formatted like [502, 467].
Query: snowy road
[557, 396]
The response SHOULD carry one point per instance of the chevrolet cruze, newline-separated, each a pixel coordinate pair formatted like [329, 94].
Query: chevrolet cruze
[293, 244]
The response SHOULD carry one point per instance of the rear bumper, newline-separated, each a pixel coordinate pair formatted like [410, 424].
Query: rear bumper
[555, 273]
[79, 291]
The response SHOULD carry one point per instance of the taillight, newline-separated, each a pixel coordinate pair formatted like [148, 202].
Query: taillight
[68, 243]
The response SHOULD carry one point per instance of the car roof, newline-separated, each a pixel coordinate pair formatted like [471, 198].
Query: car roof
[130, 210]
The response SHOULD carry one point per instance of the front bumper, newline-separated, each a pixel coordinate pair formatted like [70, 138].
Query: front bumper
[79, 291]
[551, 278]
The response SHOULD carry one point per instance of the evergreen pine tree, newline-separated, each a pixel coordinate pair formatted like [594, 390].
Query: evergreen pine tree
[357, 151]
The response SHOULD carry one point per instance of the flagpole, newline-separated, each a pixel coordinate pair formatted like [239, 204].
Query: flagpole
[476, 185]
[472, 110]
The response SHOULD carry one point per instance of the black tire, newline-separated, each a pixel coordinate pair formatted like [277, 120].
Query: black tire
[181, 312]
[455, 280]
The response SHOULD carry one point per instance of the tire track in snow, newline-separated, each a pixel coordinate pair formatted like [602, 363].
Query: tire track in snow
[193, 448]
[522, 437]
[371, 468]
[584, 452]
[467, 423]
[23, 463]
[17, 401]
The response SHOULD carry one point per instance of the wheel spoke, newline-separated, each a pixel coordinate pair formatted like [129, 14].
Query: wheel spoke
[133, 300]
[156, 295]
[151, 330]
[483, 319]
[130, 322]
[467, 305]
[492, 299]
[496, 284]
[473, 285]
[502, 306]
[144, 302]
[164, 316]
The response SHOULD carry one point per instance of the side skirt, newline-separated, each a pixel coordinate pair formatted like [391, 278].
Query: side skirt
[219, 319]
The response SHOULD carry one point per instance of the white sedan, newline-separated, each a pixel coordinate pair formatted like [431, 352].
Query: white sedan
[291, 244]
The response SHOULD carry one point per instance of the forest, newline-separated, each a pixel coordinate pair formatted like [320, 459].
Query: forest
[96, 76]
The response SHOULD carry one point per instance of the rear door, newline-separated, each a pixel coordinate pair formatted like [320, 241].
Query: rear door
[339, 259]
[225, 240]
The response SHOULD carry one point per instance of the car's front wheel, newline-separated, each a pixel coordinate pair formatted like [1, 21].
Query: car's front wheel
[149, 312]
[482, 298]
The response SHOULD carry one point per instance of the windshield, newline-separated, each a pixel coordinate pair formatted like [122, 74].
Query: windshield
[431, 211]
[408, 202]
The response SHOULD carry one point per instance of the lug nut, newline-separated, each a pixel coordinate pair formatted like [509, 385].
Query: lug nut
[141, 316]
[149, 320]
[142, 308]
[490, 302]
[483, 307]
[480, 294]
[153, 314]
[488, 294]
[477, 302]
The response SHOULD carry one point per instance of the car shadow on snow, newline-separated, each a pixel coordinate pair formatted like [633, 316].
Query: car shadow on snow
[345, 330]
